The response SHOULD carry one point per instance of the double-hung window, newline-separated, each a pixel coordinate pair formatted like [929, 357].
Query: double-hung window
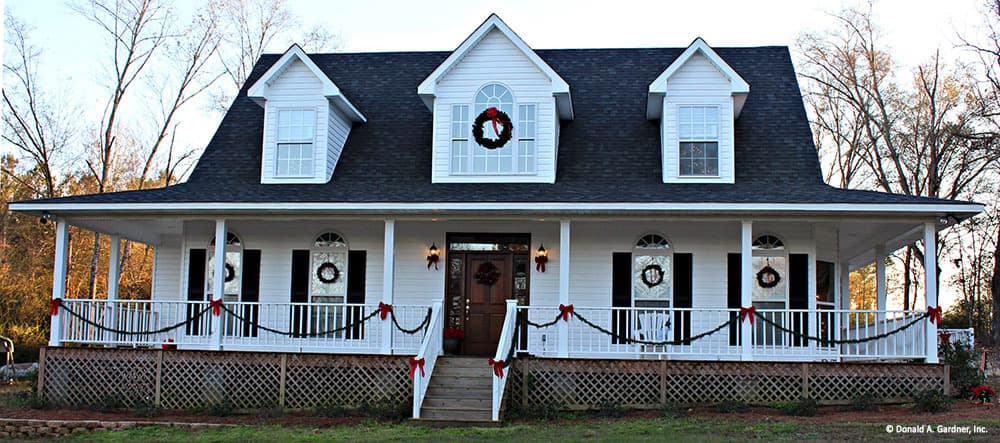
[698, 131]
[296, 134]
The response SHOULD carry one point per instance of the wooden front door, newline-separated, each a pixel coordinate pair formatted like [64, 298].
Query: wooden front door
[485, 303]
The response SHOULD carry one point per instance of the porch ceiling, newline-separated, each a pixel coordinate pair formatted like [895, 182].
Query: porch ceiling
[858, 240]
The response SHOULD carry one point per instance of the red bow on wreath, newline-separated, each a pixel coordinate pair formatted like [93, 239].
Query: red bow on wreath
[414, 364]
[565, 311]
[492, 113]
[497, 367]
[54, 306]
[934, 314]
[748, 312]
[216, 306]
[384, 310]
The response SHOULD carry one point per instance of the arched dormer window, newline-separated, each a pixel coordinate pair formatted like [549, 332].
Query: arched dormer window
[652, 271]
[518, 156]
[234, 267]
[328, 283]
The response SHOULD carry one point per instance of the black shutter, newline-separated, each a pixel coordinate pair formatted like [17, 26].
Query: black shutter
[356, 264]
[735, 277]
[299, 290]
[798, 294]
[251, 291]
[683, 294]
[621, 294]
[196, 289]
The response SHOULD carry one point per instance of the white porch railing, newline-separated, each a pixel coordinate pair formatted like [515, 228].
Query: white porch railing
[503, 355]
[778, 335]
[431, 348]
[295, 327]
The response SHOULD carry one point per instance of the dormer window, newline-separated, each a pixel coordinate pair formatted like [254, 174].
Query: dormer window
[296, 133]
[698, 135]
[516, 157]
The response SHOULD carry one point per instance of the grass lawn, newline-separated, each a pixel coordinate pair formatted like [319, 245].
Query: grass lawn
[620, 430]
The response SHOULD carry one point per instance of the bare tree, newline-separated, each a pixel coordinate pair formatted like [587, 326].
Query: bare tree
[34, 124]
[248, 26]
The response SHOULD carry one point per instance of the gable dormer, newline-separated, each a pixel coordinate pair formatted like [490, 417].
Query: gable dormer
[494, 68]
[697, 100]
[306, 120]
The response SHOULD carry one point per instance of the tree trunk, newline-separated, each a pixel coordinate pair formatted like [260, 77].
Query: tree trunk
[995, 291]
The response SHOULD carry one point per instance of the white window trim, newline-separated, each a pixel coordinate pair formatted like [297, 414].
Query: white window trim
[278, 142]
[668, 252]
[343, 272]
[718, 140]
[513, 143]
[765, 253]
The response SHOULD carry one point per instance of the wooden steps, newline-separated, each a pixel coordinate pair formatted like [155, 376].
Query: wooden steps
[460, 393]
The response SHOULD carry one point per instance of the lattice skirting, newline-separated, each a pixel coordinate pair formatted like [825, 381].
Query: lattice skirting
[586, 384]
[194, 379]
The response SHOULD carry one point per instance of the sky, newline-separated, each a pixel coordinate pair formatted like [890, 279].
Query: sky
[914, 30]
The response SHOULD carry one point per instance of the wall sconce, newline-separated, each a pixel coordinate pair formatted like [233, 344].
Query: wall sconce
[46, 216]
[541, 258]
[433, 255]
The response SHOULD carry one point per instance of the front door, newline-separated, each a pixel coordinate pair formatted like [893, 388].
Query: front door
[488, 287]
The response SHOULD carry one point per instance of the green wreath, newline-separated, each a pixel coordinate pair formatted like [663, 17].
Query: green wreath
[768, 277]
[487, 274]
[497, 117]
[321, 273]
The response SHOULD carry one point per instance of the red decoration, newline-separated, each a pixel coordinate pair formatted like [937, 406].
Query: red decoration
[487, 274]
[540, 262]
[384, 310]
[54, 306]
[945, 337]
[565, 311]
[935, 314]
[169, 344]
[216, 306]
[433, 260]
[453, 333]
[748, 312]
[414, 364]
[984, 394]
[495, 116]
[497, 367]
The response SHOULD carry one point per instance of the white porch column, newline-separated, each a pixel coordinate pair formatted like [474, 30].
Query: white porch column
[388, 280]
[59, 279]
[880, 289]
[563, 285]
[812, 317]
[930, 283]
[746, 286]
[218, 281]
[114, 272]
[843, 298]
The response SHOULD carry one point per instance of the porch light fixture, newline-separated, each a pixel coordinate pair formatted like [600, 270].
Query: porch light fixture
[541, 258]
[46, 216]
[433, 255]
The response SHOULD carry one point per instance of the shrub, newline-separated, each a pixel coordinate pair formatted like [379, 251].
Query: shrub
[109, 403]
[334, 411]
[729, 407]
[222, 408]
[146, 408]
[671, 410]
[805, 407]
[963, 365]
[864, 402]
[543, 411]
[931, 401]
[387, 409]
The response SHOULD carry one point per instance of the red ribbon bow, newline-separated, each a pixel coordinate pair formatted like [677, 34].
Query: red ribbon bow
[414, 364]
[748, 312]
[54, 305]
[565, 311]
[384, 310]
[935, 314]
[497, 367]
[540, 263]
[492, 112]
[945, 337]
[216, 306]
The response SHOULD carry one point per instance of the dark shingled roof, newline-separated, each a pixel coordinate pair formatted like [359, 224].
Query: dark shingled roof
[609, 153]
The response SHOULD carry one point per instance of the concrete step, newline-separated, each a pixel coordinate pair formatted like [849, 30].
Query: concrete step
[461, 402]
[455, 413]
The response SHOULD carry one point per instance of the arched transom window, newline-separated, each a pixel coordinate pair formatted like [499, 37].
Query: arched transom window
[652, 271]
[516, 156]
[329, 268]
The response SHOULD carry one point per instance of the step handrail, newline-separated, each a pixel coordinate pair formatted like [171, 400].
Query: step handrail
[430, 349]
[503, 349]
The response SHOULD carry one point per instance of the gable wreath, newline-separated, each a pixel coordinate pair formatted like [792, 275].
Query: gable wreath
[497, 117]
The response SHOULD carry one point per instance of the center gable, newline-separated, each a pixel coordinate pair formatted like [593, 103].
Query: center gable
[497, 107]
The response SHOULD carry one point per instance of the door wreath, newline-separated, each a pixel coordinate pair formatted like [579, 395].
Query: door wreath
[487, 274]
[652, 275]
[230, 273]
[768, 277]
